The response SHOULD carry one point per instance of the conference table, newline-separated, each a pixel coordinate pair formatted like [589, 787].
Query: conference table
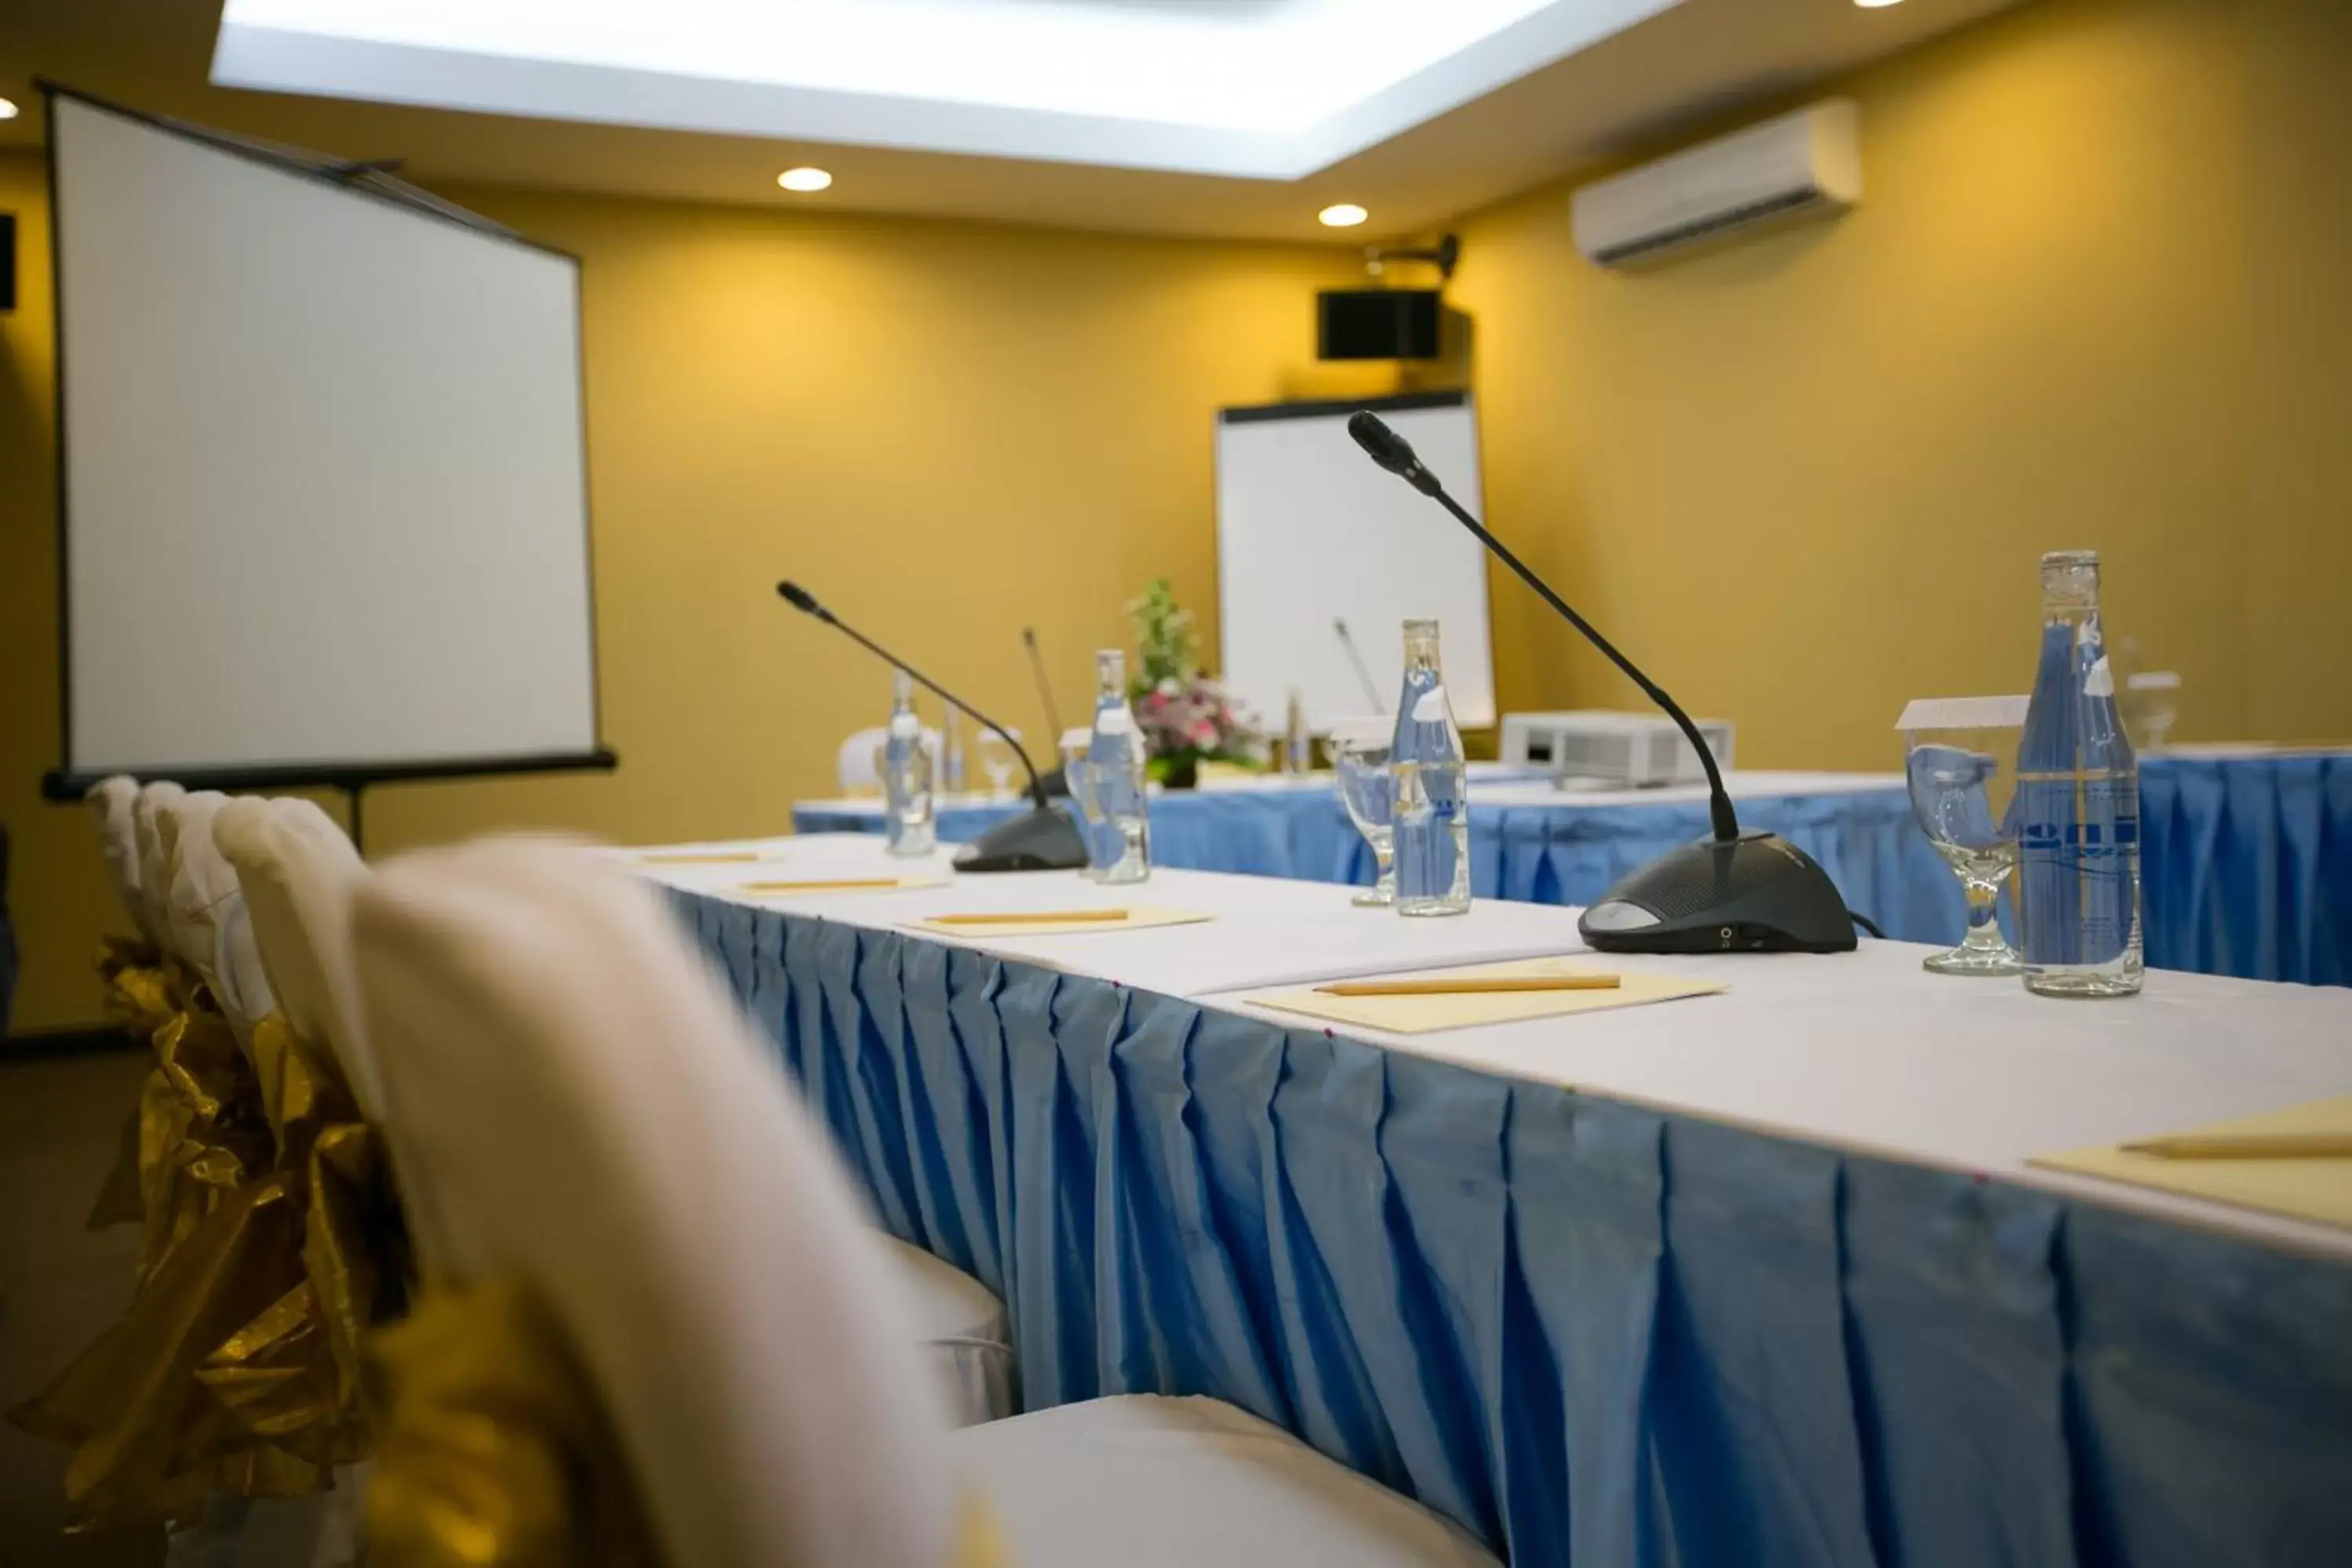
[1763, 1277]
[2247, 864]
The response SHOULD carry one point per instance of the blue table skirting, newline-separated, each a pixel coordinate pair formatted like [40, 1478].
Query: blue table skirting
[2247, 866]
[1547, 854]
[1595, 1334]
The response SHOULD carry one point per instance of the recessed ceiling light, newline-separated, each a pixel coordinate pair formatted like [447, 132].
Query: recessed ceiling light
[1876, 4]
[804, 179]
[1346, 214]
[7, 108]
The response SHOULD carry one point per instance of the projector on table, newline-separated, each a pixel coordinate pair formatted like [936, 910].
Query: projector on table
[1637, 749]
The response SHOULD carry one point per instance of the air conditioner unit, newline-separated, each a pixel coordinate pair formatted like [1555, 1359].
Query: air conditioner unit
[1805, 162]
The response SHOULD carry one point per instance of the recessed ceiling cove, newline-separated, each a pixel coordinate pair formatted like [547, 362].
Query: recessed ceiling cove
[1259, 89]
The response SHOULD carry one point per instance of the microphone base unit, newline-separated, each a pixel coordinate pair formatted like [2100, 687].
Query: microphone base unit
[1755, 893]
[1041, 839]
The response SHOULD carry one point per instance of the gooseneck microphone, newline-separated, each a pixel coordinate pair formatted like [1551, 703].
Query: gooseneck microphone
[1044, 686]
[1363, 675]
[1733, 891]
[1391, 452]
[1043, 840]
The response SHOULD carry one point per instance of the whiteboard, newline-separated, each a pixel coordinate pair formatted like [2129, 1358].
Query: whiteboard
[1310, 532]
[324, 503]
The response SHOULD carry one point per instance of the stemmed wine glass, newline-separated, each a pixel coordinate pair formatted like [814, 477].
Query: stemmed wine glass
[1360, 755]
[1960, 762]
[995, 754]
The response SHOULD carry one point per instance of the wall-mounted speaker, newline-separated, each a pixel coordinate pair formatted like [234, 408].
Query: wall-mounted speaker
[7, 262]
[1377, 323]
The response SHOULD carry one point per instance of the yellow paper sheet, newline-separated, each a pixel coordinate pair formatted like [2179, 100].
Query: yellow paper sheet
[2301, 1189]
[813, 885]
[698, 856]
[1138, 919]
[1423, 1014]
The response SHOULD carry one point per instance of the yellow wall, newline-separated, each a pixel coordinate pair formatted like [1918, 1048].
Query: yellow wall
[946, 431]
[2095, 296]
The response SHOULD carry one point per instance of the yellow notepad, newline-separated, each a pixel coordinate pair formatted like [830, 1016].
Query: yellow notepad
[1423, 1014]
[2314, 1189]
[813, 887]
[1040, 922]
[696, 857]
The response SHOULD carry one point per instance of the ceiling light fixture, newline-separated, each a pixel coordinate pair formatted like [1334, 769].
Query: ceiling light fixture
[804, 179]
[7, 108]
[1876, 4]
[1346, 214]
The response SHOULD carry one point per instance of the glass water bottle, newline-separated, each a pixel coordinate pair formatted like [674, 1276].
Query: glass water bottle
[1432, 803]
[2077, 802]
[905, 764]
[1115, 758]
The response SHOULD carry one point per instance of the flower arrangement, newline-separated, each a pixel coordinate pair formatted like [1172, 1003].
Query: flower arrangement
[1186, 717]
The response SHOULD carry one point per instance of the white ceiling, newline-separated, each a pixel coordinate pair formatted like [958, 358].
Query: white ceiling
[1699, 63]
[1258, 88]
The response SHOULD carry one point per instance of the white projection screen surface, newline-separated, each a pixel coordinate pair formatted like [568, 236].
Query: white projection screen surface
[324, 497]
[1310, 532]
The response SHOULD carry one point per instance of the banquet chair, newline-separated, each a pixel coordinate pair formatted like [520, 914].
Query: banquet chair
[300, 873]
[606, 1132]
[146, 828]
[204, 916]
[113, 800]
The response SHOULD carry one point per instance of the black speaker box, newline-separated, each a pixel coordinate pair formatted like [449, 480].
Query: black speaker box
[7, 262]
[1377, 323]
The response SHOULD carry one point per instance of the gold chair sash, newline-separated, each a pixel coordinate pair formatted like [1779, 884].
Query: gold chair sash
[273, 1241]
[496, 1453]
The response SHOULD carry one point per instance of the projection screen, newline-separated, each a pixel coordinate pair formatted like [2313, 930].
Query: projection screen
[1310, 532]
[323, 509]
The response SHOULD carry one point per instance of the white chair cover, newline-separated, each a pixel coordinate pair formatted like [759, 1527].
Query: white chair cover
[204, 914]
[586, 1108]
[964, 1330]
[298, 872]
[1147, 1483]
[115, 800]
[154, 879]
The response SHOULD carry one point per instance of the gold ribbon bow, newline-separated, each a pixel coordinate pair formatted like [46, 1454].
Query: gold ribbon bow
[273, 1241]
[496, 1453]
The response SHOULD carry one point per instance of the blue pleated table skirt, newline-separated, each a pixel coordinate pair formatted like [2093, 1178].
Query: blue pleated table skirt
[1595, 1333]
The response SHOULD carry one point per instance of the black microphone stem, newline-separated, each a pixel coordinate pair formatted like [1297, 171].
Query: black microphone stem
[1726, 821]
[1036, 786]
[1044, 686]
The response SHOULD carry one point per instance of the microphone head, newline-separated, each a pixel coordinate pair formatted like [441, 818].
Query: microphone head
[1386, 448]
[799, 598]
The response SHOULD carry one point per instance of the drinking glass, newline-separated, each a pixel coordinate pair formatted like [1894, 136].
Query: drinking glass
[996, 760]
[2151, 705]
[1079, 772]
[1960, 762]
[1360, 755]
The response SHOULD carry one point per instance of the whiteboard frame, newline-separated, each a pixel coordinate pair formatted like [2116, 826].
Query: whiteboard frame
[67, 783]
[1396, 404]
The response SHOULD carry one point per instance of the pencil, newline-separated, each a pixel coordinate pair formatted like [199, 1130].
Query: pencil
[725, 857]
[2247, 1146]
[1031, 918]
[1468, 986]
[820, 886]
